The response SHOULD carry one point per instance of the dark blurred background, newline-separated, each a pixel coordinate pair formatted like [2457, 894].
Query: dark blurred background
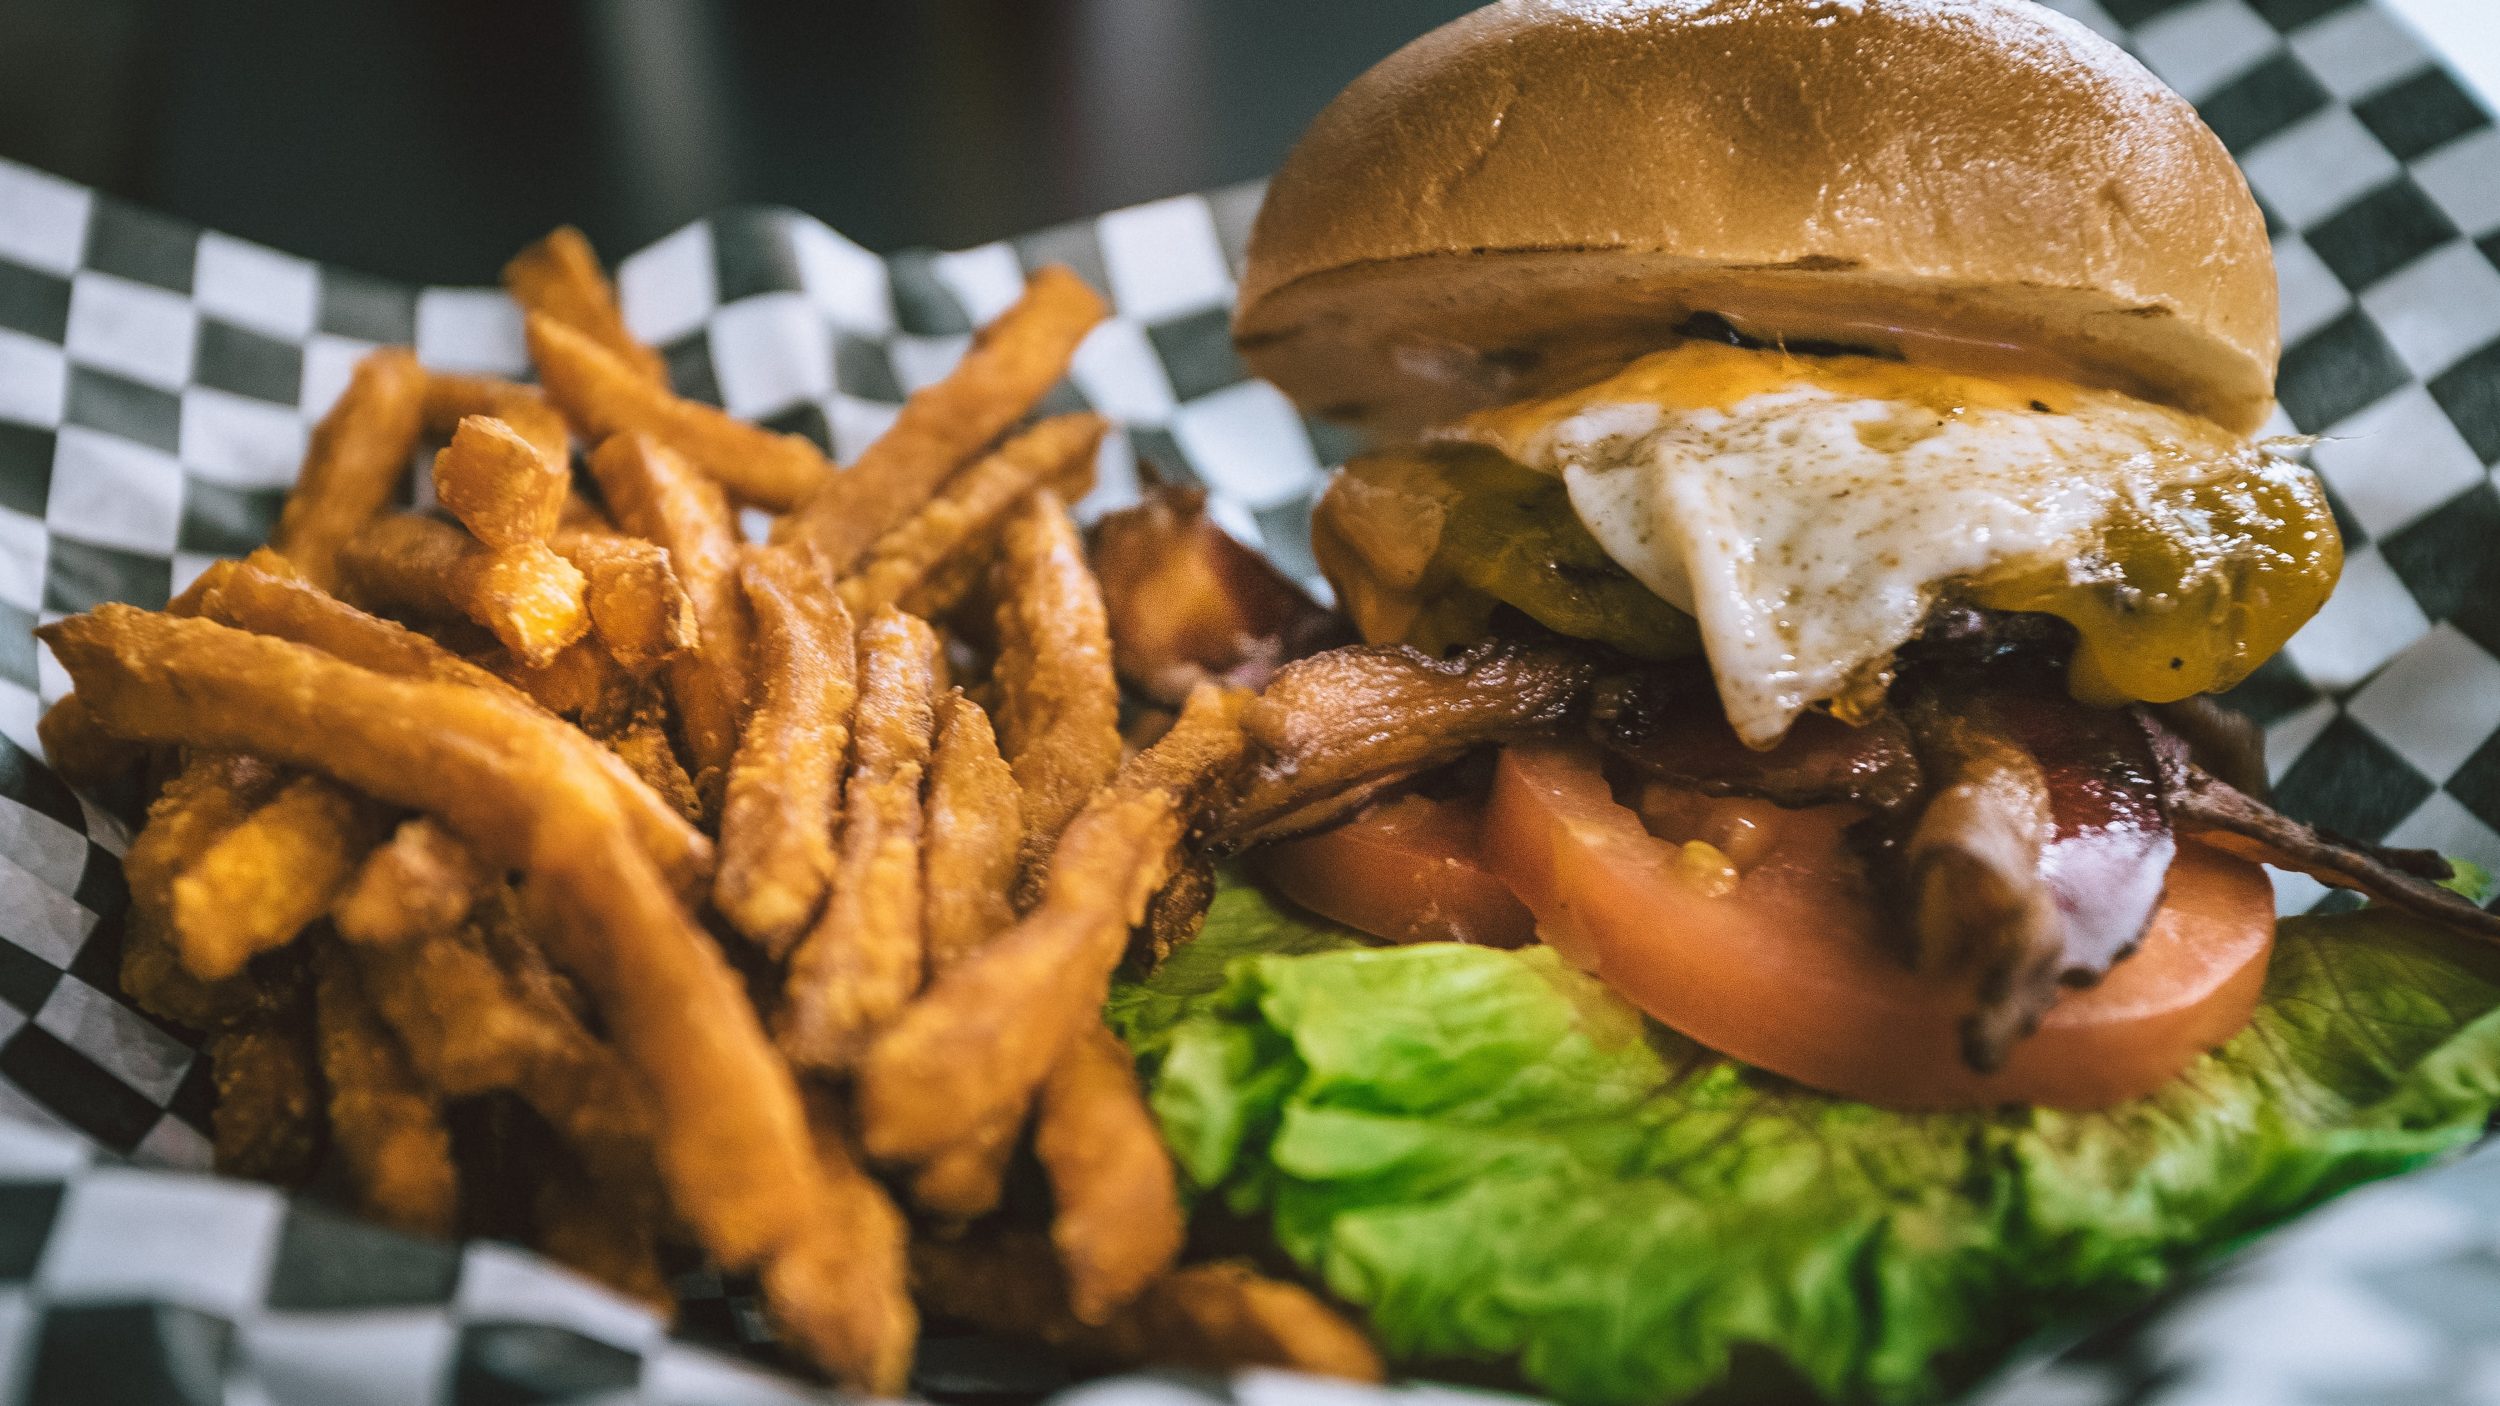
[428, 139]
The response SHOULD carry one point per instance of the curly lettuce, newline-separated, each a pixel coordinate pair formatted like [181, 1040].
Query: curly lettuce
[1497, 1160]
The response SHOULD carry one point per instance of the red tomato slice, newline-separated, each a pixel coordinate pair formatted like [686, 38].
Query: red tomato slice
[1407, 870]
[1783, 969]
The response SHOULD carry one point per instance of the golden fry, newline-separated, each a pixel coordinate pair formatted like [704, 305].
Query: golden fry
[530, 598]
[975, 832]
[249, 597]
[268, 1124]
[583, 684]
[603, 398]
[560, 277]
[451, 399]
[1013, 363]
[733, 1147]
[776, 832]
[638, 611]
[264, 880]
[500, 486]
[657, 497]
[865, 956]
[206, 799]
[1179, 908]
[422, 880]
[964, 1182]
[979, 1042]
[840, 1287]
[358, 454]
[1058, 702]
[1117, 1222]
[1219, 1317]
[642, 744]
[387, 1128]
[970, 508]
[82, 753]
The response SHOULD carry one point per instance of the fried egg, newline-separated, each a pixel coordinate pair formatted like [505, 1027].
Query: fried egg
[1810, 512]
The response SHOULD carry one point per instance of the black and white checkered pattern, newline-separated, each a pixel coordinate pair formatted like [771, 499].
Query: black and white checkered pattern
[157, 384]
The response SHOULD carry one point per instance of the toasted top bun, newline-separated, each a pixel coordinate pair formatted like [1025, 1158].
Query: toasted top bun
[1542, 189]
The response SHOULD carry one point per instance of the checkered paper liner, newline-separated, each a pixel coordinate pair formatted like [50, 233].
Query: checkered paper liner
[157, 383]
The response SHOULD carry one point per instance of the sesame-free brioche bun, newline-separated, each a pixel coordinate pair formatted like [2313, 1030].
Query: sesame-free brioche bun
[1543, 189]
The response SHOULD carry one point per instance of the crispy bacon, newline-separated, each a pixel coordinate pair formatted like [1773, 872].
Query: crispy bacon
[1188, 603]
[1668, 723]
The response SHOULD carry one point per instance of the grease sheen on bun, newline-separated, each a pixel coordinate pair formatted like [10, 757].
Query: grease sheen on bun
[1544, 188]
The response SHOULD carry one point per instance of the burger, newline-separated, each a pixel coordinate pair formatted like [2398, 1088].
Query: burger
[1825, 439]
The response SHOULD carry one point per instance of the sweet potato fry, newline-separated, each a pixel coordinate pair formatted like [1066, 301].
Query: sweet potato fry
[1325, 746]
[603, 398]
[866, 955]
[657, 497]
[82, 753]
[776, 832]
[733, 1145]
[979, 1042]
[641, 742]
[1117, 1221]
[560, 277]
[969, 508]
[1013, 362]
[206, 799]
[975, 832]
[583, 684]
[530, 598]
[968, 869]
[1218, 1317]
[268, 1124]
[422, 880]
[1058, 703]
[359, 453]
[450, 399]
[500, 485]
[638, 611]
[264, 880]
[841, 1288]
[387, 1128]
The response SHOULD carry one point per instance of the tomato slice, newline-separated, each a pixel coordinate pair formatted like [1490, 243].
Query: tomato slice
[1779, 965]
[1408, 870]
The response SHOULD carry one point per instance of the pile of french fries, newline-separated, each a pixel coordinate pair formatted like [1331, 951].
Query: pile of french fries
[559, 864]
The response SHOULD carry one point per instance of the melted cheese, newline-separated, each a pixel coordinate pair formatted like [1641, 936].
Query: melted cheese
[1810, 512]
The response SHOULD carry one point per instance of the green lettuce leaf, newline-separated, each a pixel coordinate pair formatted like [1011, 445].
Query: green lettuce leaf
[1496, 1159]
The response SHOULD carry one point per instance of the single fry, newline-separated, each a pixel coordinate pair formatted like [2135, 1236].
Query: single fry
[268, 1124]
[970, 508]
[387, 1128]
[422, 880]
[656, 496]
[450, 399]
[642, 744]
[732, 1145]
[603, 397]
[975, 830]
[204, 801]
[638, 611]
[1179, 908]
[1058, 701]
[964, 1182]
[1219, 1317]
[866, 955]
[359, 453]
[582, 684]
[1013, 363]
[1117, 1222]
[560, 277]
[776, 832]
[841, 1288]
[500, 485]
[530, 598]
[82, 753]
[261, 882]
[979, 1042]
